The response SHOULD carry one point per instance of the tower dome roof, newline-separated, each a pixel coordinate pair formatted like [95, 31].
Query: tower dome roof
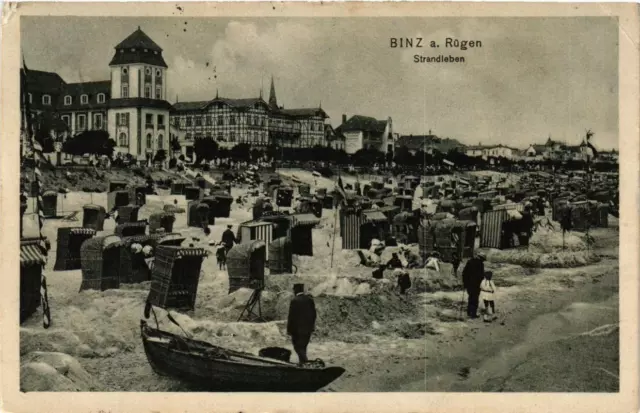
[138, 48]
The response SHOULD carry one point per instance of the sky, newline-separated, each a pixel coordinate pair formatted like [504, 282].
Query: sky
[531, 79]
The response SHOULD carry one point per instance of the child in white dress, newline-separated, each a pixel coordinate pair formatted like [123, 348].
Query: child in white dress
[487, 291]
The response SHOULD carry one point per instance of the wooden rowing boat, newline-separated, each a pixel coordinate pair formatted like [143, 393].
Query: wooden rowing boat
[210, 368]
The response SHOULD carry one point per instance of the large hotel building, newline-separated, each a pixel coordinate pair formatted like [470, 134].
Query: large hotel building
[132, 107]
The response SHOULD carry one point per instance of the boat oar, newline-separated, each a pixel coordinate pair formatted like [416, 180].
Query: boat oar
[173, 320]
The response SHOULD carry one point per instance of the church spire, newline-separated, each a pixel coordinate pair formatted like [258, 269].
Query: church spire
[216, 93]
[273, 102]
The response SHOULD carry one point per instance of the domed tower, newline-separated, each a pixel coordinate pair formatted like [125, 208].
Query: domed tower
[138, 110]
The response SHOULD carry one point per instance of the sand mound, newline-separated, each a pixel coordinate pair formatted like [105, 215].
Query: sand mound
[532, 259]
[341, 316]
[551, 241]
[48, 371]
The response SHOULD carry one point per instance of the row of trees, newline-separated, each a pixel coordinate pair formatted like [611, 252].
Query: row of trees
[48, 128]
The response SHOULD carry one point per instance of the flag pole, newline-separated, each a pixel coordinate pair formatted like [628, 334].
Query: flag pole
[37, 157]
[335, 224]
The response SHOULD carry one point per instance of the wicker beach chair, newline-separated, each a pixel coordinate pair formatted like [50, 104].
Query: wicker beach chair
[161, 220]
[32, 259]
[69, 243]
[245, 265]
[193, 193]
[176, 273]
[212, 203]
[280, 256]
[100, 260]
[93, 217]
[128, 213]
[117, 199]
[223, 204]
[50, 204]
[129, 229]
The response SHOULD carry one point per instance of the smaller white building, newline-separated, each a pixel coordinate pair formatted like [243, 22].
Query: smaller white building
[363, 132]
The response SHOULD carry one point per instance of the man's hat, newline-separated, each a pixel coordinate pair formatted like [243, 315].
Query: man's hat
[229, 226]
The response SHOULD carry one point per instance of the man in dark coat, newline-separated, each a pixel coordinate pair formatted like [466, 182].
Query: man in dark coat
[228, 238]
[472, 276]
[301, 322]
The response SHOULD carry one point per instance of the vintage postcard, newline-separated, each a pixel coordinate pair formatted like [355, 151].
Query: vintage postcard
[376, 207]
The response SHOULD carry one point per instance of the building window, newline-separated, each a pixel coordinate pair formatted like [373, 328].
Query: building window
[160, 143]
[262, 122]
[125, 91]
[158, 92]
[158, 73]
[198, 120]
[30, 98]
[122, 119]
[147, 91]
[188, 136]
[189, 121]
[148, 71]
[65, 119]
[46, 100]
[250, 120]
[100, 97]
[220, 120]
[84, 99]
[149, 141]
[220, 138]
[67, 100]
[161, 121]
[208, 120]
[232, 136]
[82, 122]
[97, 121]
[232, 120]
[148, 121]
[122, 140]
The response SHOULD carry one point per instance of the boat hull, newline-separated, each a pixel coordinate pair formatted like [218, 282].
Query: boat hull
[213, 374]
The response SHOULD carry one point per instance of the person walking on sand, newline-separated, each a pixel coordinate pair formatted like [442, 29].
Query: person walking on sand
[228, 238]
[472, 276]
[487, 291]
[301, 321]
[455, 261]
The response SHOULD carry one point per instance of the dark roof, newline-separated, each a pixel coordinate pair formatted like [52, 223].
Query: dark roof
[138, 48]
[139, 102]
[126, 56]
[539, 148]
[91, 89]
[138, 39]
[244, 103]
[363, 123]
[189, 106]
[234, 103]
[331, 133]
[45, 82]
[304, 112]
[501, 146]
[573, 148]
[417, 142]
